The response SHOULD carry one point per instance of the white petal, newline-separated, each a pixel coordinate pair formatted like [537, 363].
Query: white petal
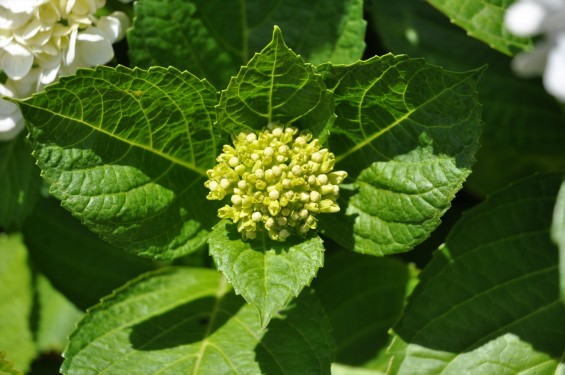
[16, 61]
[532, 63]
[10, 20]
[114, 25]
[69, 6]
[27, 85]
[10, 123]
[554, 76]
[29, 30]
[555, 21]
[91, 34]
[5, 91]
[48, 76]
[525, 18]
[71, 51]
[94, 47]
[21, 6]
[5, 40]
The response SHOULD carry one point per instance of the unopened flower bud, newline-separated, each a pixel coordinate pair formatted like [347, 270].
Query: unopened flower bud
[278, 180]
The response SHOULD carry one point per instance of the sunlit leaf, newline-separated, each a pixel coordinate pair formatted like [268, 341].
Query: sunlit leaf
[126, 152]
[523, 134]
[484, 20]
[16, 301]
[489, 301]
[267, 273]
[406, 132]
[188, 321]
[276, 86]
[212, 39]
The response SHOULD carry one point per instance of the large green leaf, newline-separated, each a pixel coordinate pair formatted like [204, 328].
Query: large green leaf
[57, 317]
[524, 131]
[488, 302]
[484, 20]
[16, 300]
[19, 182]
[363, 298]
[126, 152]
[406, 133]
[78, 263]
[558, 235]
[7, 367]
[266, 273]
[213, 39]
[276, 86]
[188, 321]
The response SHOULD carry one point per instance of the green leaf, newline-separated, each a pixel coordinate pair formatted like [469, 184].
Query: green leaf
[511, 148]
[558, 235]
[406, 133]
[339, 369]
[363, 298]
[212, 39]
[188, 321]
[276, 86]
[484, 20]
[126, 152]
[7, 367]
[488, 302]
[266, 273]
[16, 296]
[78, 263]
[57, 318]
[19, 182]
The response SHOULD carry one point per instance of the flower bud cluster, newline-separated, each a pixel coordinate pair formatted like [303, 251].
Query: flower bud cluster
[278, 180]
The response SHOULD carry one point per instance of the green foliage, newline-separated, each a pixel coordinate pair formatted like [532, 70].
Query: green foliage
[212, 39]
[19, 183]
[78, 263]
[57, 317]
[484, 20]
[407, 137]
[276, 86]
[137, 330]
[7, 367]
[363, 297]
[558, 235]
[266, 273]
[489, 299]
[126, 151]
[16, 296]
[524, 124]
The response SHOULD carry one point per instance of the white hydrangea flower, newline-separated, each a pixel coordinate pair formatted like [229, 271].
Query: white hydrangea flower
[527, 18]
[41, 40]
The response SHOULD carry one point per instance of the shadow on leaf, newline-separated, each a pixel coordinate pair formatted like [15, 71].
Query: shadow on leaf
[186, 324]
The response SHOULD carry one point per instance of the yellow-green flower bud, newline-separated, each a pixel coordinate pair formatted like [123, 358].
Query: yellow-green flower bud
[277, 179]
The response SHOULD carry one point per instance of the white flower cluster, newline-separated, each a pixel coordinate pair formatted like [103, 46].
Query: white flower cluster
[528, 18]
[41, 40]
[279, 179]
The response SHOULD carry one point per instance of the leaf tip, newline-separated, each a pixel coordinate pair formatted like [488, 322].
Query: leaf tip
[277, 34]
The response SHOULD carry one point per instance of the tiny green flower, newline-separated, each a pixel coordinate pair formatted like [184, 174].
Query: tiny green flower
[279, 180]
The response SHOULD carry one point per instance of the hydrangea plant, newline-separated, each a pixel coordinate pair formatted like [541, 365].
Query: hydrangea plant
[252, 191]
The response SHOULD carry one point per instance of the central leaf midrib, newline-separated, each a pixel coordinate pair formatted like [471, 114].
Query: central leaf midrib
[398, 121]
[128, 142]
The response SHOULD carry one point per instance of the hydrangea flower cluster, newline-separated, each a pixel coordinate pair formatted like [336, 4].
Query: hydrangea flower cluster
[528, 18]
[278, 179]
[41, 40]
